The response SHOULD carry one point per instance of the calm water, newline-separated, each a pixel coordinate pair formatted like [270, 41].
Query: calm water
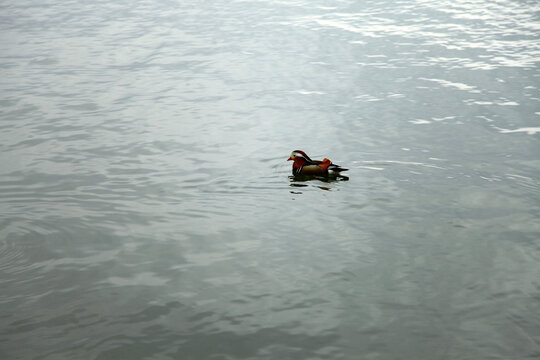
[146, 209]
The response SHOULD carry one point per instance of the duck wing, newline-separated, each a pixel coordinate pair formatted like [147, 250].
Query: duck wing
[313, 169]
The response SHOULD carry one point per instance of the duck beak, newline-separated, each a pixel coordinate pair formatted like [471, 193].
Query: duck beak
[290, 158]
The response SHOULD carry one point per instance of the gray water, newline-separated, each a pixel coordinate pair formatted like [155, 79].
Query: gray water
[147, 210]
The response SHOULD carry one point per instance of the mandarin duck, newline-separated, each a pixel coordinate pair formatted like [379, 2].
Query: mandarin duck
[303, 165]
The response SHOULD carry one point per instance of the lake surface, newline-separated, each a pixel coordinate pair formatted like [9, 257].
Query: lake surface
[147, 210]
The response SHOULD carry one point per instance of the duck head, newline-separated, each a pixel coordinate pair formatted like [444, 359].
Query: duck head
[299, 156]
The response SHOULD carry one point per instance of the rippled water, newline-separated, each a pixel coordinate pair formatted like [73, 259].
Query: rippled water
[147, 210]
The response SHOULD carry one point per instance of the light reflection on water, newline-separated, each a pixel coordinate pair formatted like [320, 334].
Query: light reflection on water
[148, 211]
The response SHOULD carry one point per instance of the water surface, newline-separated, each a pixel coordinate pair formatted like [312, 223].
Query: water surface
[147, 210]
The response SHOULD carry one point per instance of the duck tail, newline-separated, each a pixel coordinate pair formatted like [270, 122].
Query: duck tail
[336, 168]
